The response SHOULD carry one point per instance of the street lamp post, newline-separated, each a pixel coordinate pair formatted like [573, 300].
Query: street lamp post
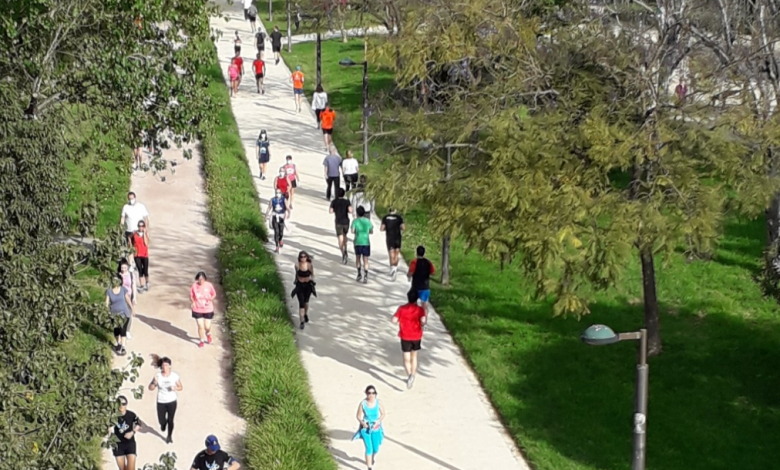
[350, 63]
[270, 10]
[289, 27]
[599, 335]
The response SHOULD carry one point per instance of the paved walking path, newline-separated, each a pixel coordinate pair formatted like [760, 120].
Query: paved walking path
[445, 421]
[181, 244]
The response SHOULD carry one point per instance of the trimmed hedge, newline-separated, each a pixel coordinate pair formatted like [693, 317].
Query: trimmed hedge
[284, 427]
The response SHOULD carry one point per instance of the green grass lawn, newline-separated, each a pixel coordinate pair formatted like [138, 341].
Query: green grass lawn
[713, 391]
[307, 25]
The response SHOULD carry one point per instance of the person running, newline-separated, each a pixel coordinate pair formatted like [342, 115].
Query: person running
[278, 210]
[202, 295]
[350, 169]
[132, 213]
[125, 427]
[393, 226]
[332, 167]
[282, 182]
[141, 245]
[233, 73]
[252, 15]
[237, 44]
[319, 101]
[259, 67]
[362, 228]
[247, 4]
[370, 414]
[276, 43]
[130, 283]
[239, 61]
[120, 304]
[327, 118]
[297, 78]
[214, 458]
[292, 175]
[304, 285]
[260, 43]
[341, 207]
[411, 319]
[420, 271]
[167, 383]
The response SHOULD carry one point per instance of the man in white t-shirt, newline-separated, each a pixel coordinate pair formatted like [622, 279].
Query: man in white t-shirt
[132, 213]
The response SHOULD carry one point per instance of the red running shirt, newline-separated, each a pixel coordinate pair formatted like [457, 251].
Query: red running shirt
[141, 248]
[410, 322]
[282, 184]
[239, 62]
[259, 66]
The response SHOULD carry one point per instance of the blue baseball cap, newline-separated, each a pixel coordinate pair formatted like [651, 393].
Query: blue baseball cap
[297, 67]
[212, 443]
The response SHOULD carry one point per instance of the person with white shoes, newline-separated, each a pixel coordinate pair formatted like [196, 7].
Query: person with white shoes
[411, 319]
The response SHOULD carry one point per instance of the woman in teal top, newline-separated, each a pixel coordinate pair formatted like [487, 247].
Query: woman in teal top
[370, 414]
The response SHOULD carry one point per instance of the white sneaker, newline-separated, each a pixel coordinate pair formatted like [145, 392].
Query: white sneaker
[129, 336]
[410, 382]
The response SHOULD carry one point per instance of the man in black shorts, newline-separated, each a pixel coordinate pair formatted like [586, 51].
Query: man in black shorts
[342, 208]
[260, 43]
[276, 43]
[214, 458]
[125, 427]
[393, 226]
[411, 319]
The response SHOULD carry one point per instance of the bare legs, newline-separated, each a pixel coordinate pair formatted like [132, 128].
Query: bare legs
[126, 462]
[204, 328]
[410, 362]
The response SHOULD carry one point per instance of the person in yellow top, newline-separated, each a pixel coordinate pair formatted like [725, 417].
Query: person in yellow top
[297, 80]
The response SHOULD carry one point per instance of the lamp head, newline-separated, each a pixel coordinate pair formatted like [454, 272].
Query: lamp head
[347, 62]
[599, 335]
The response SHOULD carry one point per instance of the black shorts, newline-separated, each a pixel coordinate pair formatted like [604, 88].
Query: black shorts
[237, 49]
[393, 244]
[121, 330]
[276, 47]
[142, 264]
[252, 18]
[206, 316]
[363, 250]
[409, 346]
[258, 76]
[342, 229]
[294, 183]
[351, 178]
[125, 448]
[327, 131]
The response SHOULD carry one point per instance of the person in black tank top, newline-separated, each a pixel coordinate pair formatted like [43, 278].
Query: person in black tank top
[304, 285]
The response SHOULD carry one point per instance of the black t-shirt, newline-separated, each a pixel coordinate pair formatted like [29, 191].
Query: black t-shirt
[276, 38]
[260, 38]
[341, 207]
[220, 460]
[421, 279]
[124, 424]
[392, 223]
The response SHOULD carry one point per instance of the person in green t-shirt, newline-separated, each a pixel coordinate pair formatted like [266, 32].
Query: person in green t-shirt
[362, 228]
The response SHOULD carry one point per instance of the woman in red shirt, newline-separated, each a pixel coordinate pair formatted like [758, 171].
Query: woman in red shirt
[202, 296]
[410, 319]
[141, 245]
[282, 183]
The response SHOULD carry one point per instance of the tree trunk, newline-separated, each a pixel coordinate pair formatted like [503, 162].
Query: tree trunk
[652, 320]
[342, 19]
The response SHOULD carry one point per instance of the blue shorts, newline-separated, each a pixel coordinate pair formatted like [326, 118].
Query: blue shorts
[424, 295]
[363, 250]
[298, 91]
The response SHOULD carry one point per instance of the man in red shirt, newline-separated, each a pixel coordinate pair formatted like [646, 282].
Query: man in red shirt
[239, 61]
[259, 67]
[410, 319]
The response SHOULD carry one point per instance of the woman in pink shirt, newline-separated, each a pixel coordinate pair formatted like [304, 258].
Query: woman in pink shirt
[202, 295]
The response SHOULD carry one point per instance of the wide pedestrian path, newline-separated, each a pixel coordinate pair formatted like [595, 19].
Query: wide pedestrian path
[445, 421]
[180, 245]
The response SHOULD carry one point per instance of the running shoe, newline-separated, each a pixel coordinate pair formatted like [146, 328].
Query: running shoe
[344, 257]
[410, 382]
[393, 273]
[359, 276]
[208, 338]
[129, 336]
[281, 243]
[301, 325]
[169, 440]
[122, 351]
[306, 318]
[365, 278]
[201, 344]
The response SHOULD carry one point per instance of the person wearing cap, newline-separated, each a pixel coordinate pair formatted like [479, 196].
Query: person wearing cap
[124, 428]
[297, 81]
[214, 458]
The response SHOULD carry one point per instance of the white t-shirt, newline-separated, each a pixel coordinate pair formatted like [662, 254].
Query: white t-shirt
[349, 166]
[134, 214]
[319, 100]
[247, 4]
[163, 384]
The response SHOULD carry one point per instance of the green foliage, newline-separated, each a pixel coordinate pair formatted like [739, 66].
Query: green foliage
[283, 424]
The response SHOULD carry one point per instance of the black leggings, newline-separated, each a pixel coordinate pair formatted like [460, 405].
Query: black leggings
[142, 264]
[121, 330]
[303, 293]
[333, 182]
[278, 225]
[165, 414]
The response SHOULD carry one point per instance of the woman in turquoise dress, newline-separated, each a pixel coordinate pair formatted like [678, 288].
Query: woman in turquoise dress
[370, 415]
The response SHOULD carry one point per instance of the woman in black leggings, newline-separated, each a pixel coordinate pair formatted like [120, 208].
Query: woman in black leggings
[304, 285]
[167, 384]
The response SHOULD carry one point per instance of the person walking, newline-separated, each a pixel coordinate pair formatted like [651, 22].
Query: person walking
[278, 211]
[260, 43]
[214, 458]
[362, 228]
[141, 258]
[167, 383]
[420, 271]
[251, 14]
[359, 198]
[259, 67]
[263, 147]
[304, 285]
[233, 74]
[393, 226]
[332, 167]
[239, 61]
[237, 44]
[297, 78]
[202, 295]
[319, 101]
[276, 43]
[132, 213]
[247, 4]
[282, 182]
[120, 304]
[411, 319]
[130, 283]
[370, 414]
[342, 208]
[125, 427]
[327, 118]
[292, 174]
[350, 169]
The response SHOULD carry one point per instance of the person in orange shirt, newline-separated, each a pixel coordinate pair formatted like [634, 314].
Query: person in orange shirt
[297, 80]
[327, 117]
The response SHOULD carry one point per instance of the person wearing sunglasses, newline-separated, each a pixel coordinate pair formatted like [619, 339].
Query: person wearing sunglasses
[370, 415]
[124, 428]
[304, 285]
[141, 245]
